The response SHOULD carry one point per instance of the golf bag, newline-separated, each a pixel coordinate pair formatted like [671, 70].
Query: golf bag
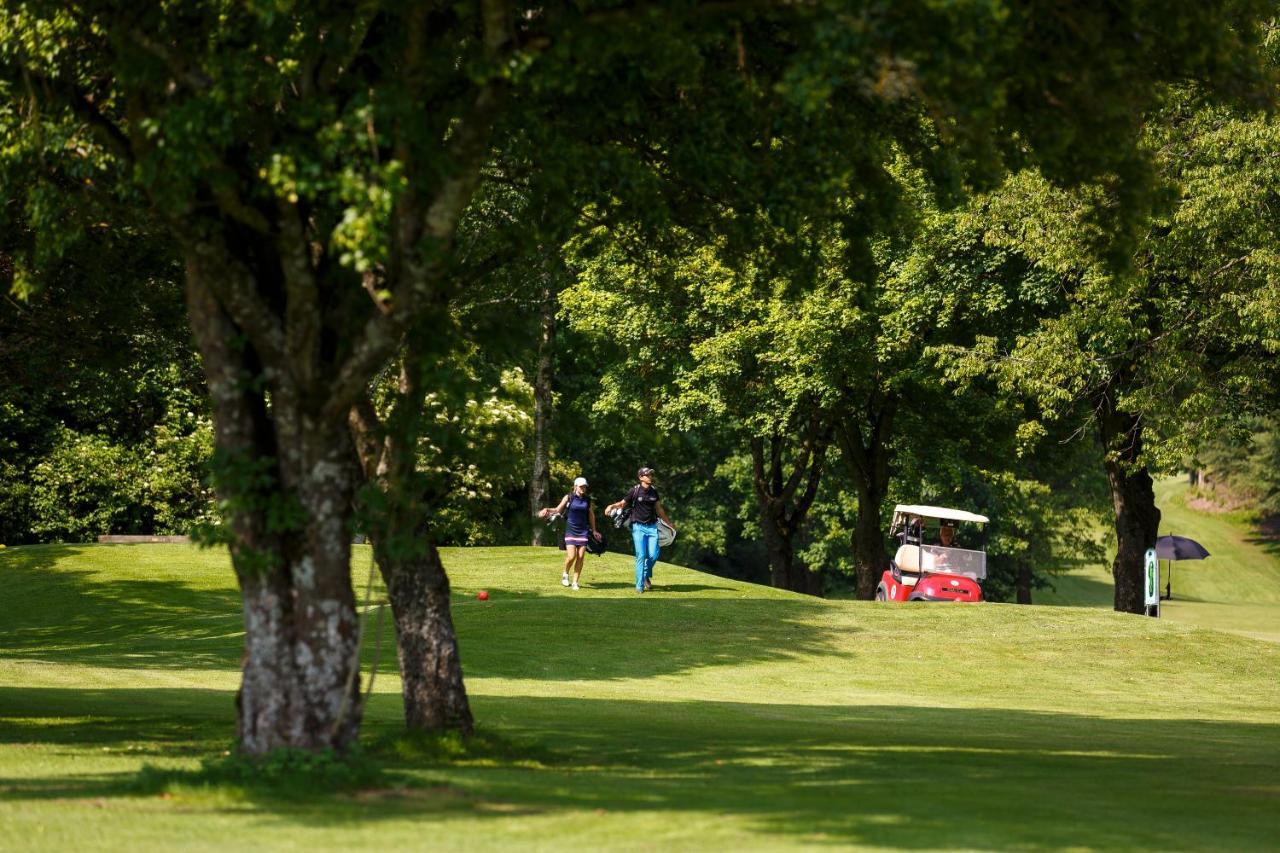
[597, 546]
[666, 534]
[552, 521]
[622, 516]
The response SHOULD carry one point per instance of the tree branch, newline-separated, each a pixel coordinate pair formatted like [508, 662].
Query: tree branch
[816, 465]
[195, 80]
[365, 428]
[110, 133]
[806, 450]
[381, 335]
[757, 468]
[302, 319]
[230, 203]
[234, 287]
[775, 466]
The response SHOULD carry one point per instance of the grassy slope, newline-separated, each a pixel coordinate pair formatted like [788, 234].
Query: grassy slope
[706, 714]
[1236, 589]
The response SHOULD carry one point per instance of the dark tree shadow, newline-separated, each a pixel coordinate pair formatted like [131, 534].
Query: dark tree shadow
[1084, 592]
[689, 587]
[646, 638]
[659, 588]
[1266, 534]
[76, 617]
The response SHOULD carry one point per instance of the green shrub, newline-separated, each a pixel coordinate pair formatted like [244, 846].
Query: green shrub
[86, 486]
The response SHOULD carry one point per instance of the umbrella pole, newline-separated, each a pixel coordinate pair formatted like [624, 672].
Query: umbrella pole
[1168, 583]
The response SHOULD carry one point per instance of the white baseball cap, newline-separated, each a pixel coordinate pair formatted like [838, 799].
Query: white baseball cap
[581, 481]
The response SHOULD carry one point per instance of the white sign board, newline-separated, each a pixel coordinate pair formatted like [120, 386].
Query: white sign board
[1151, 593]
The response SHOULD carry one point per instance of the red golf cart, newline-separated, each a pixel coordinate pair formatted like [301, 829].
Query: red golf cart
[941, 555]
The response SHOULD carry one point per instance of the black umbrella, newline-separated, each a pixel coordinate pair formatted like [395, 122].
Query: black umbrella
[1178, 548]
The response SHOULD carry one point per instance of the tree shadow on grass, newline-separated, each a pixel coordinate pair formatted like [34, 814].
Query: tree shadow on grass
[74, 616]
[687, 587]
[609, 585]
[1266, 534]
[888, 776]
[549, 637]
[661, 588]
[925, 777]
[1075, 591]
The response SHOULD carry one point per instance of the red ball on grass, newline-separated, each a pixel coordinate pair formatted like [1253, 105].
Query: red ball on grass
[483, 595]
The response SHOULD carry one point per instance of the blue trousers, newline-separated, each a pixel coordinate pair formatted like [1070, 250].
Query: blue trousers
[645, 537]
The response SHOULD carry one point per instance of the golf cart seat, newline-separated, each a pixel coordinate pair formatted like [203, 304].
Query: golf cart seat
[906, 577]
[907, 559]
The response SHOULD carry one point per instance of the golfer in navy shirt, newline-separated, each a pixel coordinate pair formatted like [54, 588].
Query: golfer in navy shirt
[580, 523]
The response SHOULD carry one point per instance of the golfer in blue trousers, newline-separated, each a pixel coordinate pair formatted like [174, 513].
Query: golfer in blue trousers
[644, 506]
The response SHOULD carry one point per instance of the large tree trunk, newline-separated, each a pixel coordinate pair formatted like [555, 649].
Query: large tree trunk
[540, 479]
[867, 458]
[287, 496]
[1022, 584]
[1137, 519]
[328, 642]
[783, 507]
[435, 696]
[869, 555]
[783, 571]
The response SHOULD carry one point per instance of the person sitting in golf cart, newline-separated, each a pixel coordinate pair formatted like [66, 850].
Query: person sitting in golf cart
[947, 535]
[938, 557]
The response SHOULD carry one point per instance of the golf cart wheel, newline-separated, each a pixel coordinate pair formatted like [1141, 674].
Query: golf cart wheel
[882, 594]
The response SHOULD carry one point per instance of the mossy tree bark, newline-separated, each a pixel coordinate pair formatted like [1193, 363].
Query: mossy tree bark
[285, 479]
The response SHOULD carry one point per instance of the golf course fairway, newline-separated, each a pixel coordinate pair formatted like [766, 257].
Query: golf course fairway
[708, 714]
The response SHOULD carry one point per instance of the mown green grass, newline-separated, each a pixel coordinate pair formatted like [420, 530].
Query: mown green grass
[708, 714]
[1237, 588]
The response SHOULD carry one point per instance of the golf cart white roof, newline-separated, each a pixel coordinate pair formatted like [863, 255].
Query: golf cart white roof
[941, 512]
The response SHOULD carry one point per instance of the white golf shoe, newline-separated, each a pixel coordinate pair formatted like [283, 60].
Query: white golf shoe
[564, 579]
